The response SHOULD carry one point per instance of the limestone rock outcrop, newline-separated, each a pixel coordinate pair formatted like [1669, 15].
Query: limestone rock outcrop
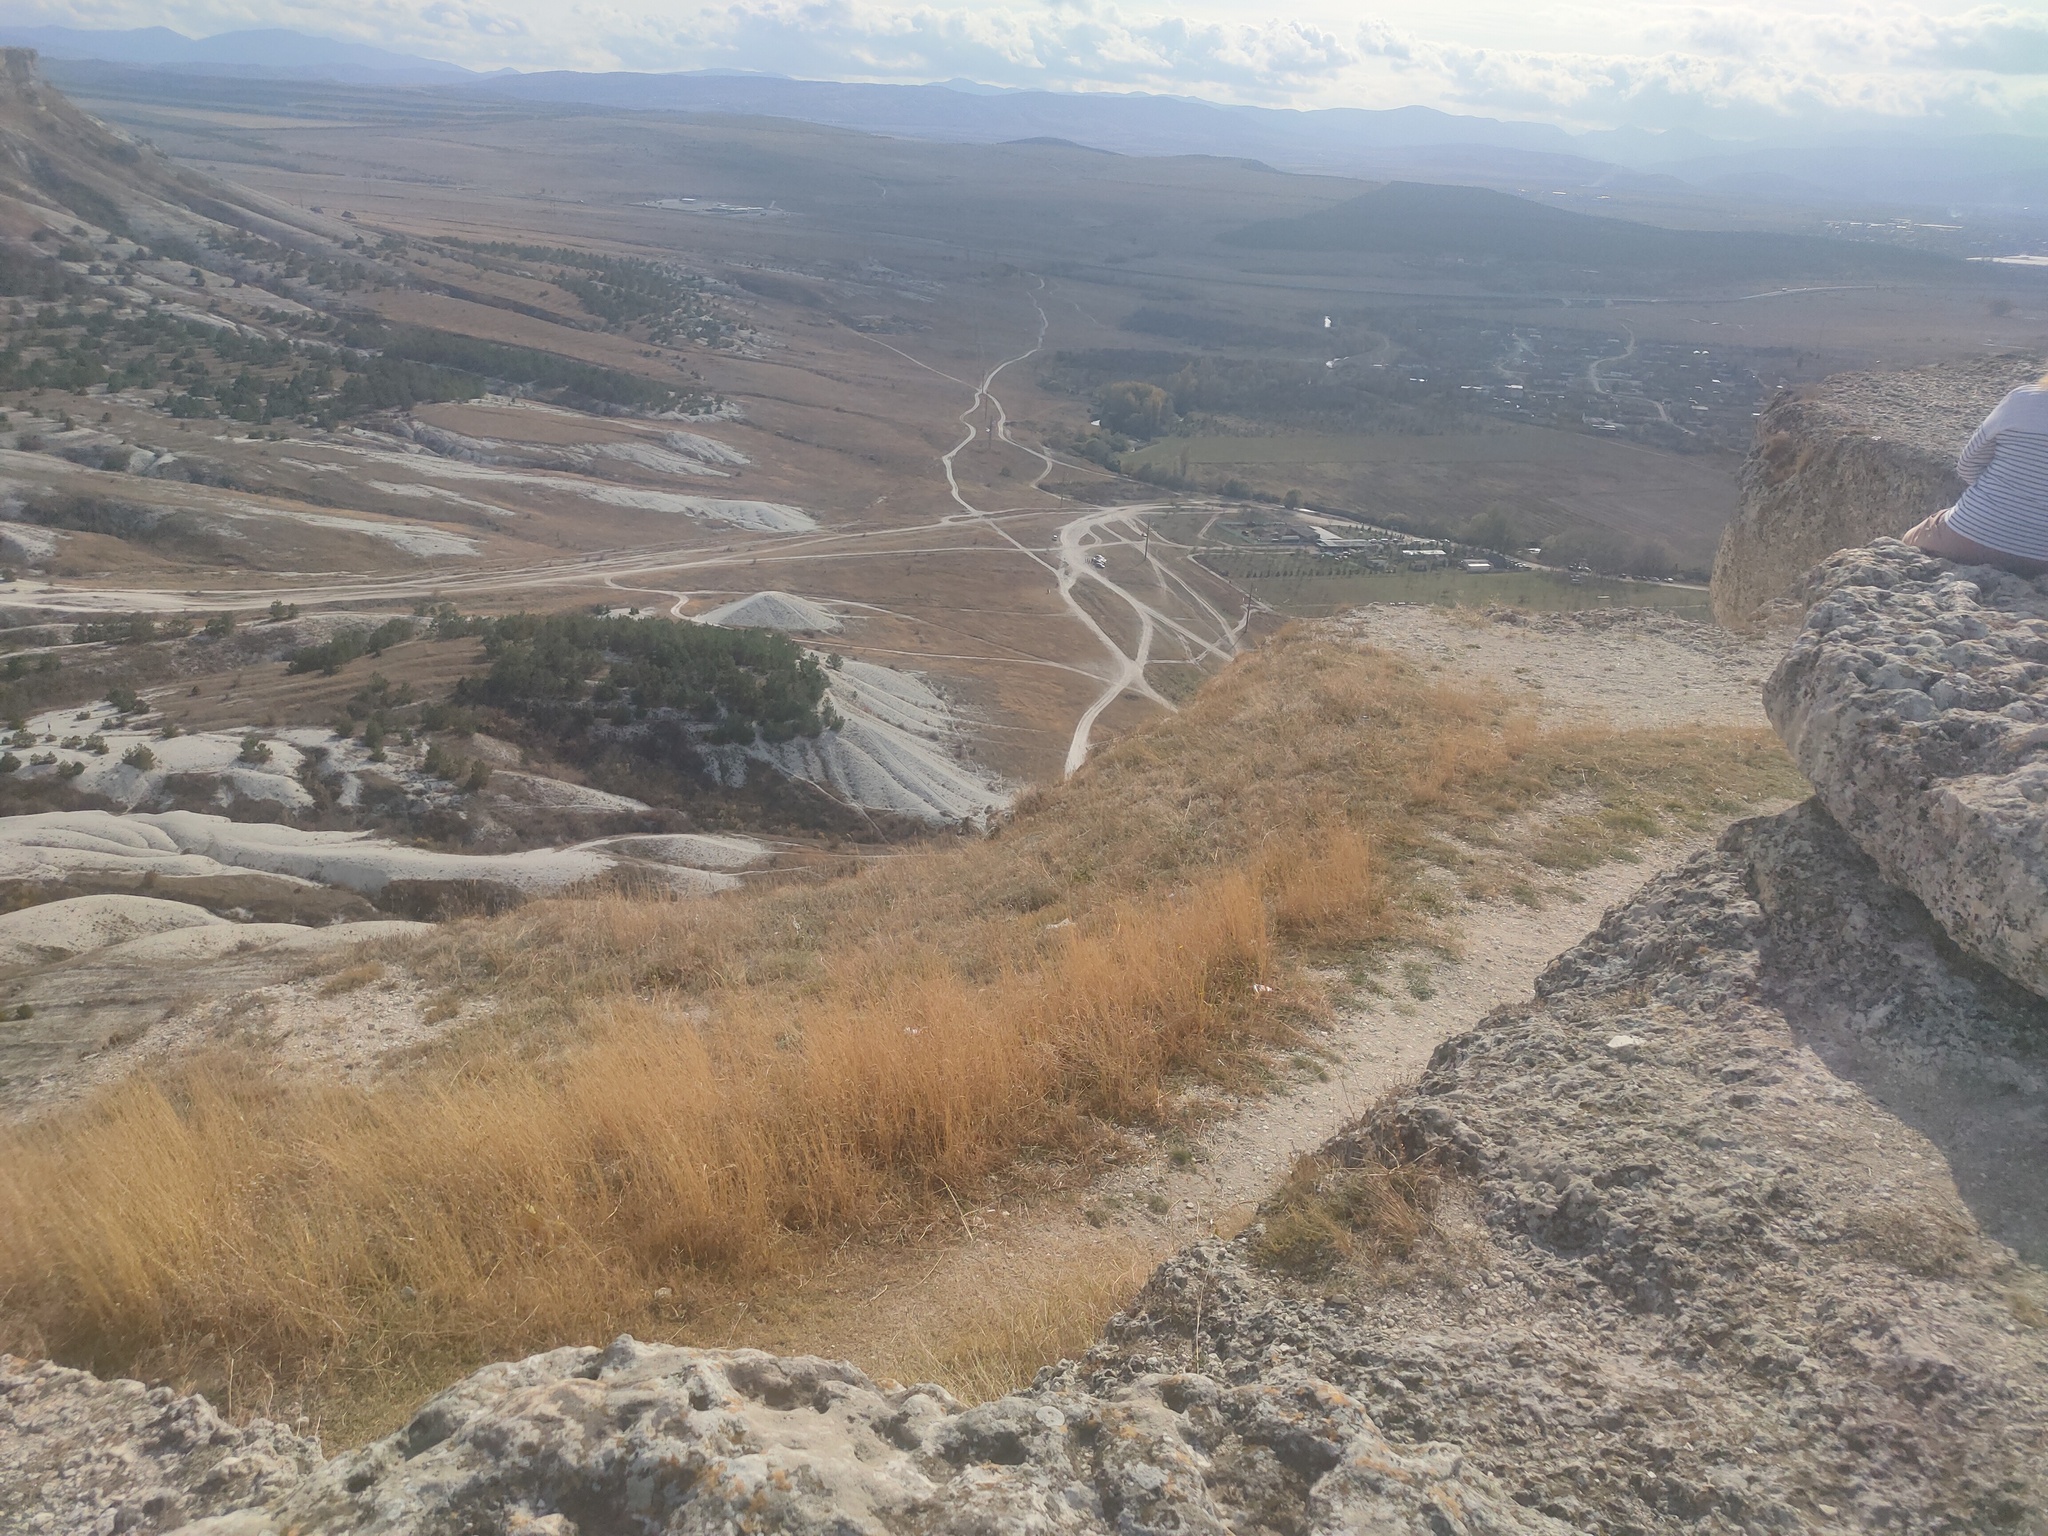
[1857, 457]
[1916, 701]
[656, 1438]
[1727, 1282]
[80, 1454]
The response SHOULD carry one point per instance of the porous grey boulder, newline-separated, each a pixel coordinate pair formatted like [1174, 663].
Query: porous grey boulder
[81, 1454]
[650, 1438]
[1916, 700]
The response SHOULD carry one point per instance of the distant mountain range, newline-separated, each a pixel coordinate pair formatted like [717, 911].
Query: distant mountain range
[1339, 140]
[272, 52]
[2007, 173]
[1474, 224]
[1923, 169]
[962, 111]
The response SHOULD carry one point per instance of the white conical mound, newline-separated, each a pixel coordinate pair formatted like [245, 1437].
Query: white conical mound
[775, 610]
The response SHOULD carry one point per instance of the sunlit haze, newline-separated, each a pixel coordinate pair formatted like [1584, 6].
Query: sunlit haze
[1736, 68]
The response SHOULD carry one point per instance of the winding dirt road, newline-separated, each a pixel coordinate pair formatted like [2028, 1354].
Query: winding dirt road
[1158, 597]
[1078, 542]
[1593, 368]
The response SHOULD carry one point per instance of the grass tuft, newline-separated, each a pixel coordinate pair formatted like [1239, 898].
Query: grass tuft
[1034, 1314]
[1326, 1215]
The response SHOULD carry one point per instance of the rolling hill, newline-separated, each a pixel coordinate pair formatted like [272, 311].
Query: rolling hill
[261, 52]
[1475, 225]
[60, 167]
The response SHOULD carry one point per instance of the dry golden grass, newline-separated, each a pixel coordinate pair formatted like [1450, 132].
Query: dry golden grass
[352, 977]
[695, 1095]
[1325, 1215]
[1029, 1314]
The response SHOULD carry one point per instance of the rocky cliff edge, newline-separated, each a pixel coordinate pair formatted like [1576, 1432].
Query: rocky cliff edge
[1857, 457]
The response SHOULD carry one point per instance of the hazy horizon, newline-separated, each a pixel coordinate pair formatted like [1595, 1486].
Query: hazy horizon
[1729, 68]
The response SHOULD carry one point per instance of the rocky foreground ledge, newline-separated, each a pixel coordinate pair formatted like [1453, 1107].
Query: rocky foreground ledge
[1916, 700]
[1699, 1263]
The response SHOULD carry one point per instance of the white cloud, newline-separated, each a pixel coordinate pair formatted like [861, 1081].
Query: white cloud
[1749, 68]
[1060, 46]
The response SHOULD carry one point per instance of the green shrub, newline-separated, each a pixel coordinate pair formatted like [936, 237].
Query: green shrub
[335, 654]
[566, 671]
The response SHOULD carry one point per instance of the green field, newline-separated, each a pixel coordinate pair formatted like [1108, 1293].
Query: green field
[1308, 586]
[1515, 444]
[1546, 480]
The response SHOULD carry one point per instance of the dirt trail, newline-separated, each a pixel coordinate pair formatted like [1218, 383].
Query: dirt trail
[1632, 668]
[1380, 1041]
[1178, 1189]
[1635, 669]
[1593, 368]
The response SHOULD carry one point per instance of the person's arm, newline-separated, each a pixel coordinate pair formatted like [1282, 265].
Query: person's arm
[1983, 443]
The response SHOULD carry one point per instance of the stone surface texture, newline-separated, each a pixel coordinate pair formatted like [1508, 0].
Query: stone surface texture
[1857, 457]
[81, 1454]
[1699, 1264]
[659, 1438]
[1724, 1286]
[1916, 701]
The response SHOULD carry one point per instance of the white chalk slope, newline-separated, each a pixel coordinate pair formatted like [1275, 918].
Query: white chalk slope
[484, 463]
[147, 930]
[65, 739]
[60, 929]
[59, 844]
[900, 750]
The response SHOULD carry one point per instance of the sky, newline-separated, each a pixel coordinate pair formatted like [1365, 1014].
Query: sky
[1732, 67]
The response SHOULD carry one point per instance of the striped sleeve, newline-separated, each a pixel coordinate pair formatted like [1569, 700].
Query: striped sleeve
[1978, 451]
[2006, 464]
